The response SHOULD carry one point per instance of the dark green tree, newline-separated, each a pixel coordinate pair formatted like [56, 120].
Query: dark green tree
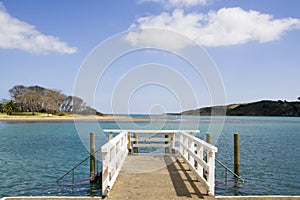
[9, 107]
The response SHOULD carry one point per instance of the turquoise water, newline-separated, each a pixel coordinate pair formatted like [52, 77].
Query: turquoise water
[34, 155]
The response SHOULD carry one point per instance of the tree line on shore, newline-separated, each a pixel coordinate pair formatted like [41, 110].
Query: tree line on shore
[39, 99]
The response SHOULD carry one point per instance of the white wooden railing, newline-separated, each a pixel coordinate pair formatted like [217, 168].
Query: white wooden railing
[199, 155]
[193, 151]
[113, 156]
[148, 139]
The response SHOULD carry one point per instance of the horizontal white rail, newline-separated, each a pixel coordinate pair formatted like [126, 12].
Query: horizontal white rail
[150, 131]
[192, 150]
[151, 145]
[150, 139]
[113, 156]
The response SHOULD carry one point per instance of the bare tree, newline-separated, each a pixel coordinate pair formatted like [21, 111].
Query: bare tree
[39, 99]
[30, 101]
[17, 90]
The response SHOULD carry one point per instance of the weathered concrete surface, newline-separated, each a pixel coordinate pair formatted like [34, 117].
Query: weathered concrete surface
[51, 198]
[259, 197]
[156, 177]
[99, 198]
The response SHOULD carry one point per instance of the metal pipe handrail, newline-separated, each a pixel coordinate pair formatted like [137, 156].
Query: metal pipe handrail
[72, 170]
[224, 166]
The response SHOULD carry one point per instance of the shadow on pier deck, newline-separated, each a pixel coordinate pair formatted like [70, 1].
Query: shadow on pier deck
[156, 177]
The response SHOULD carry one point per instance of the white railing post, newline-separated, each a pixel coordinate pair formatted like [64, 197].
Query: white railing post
[180, 144]
[200, 155]
[183, 146]
[173, 143]
[192, 148]
[105, 173]
[211, 172]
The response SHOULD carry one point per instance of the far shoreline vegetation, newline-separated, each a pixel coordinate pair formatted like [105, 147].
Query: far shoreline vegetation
[40, 102]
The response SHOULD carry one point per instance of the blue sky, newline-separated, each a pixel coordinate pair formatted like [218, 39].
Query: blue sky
[254, 45]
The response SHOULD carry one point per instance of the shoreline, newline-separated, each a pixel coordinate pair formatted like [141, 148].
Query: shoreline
[76, 118]
[61, 118]
[252, 197]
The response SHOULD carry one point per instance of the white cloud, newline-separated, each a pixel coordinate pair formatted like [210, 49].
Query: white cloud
[177, 3]
[16, 34]
[227, 26]
[186, 3]
[157, 39]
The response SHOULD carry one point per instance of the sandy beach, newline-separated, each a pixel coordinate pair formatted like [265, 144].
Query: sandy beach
[55, 118]
[71, 118]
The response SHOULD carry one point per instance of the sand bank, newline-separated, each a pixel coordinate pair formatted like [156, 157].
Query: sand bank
[55, 118]
[71, 118]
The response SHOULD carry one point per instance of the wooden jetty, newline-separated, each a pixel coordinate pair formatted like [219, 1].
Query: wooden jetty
[183, 167]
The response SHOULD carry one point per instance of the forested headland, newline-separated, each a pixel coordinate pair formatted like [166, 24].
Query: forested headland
[43, 100]
[259, 108]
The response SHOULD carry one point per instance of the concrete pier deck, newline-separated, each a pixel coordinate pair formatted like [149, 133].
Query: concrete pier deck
[156, 177]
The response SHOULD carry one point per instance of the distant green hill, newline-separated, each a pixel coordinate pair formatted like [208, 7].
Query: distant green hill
[260, 108]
